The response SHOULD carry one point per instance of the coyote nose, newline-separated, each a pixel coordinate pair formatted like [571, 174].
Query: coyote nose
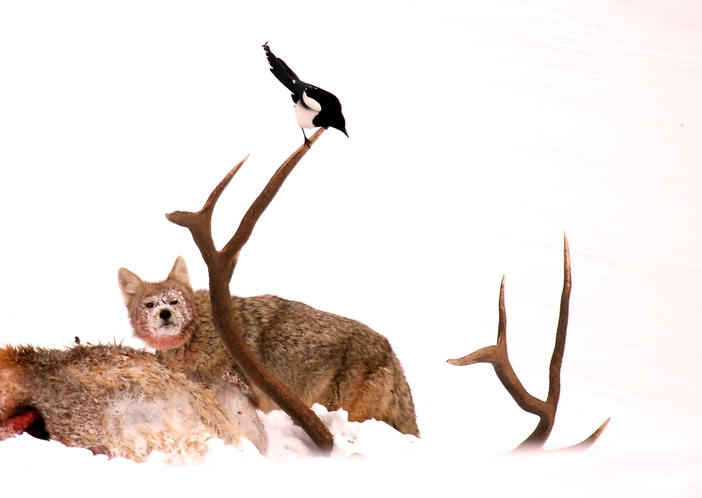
[164, 315]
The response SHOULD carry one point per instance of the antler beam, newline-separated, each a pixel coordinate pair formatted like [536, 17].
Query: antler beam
[221, 264]
[497, 356]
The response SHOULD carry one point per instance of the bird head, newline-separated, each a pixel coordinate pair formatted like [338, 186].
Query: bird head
[330, 115]
[340, 124]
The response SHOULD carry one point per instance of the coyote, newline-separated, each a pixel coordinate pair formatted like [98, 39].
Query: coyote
[119, 401]
[321, 357]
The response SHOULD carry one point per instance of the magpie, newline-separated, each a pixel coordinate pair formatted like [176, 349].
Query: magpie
[313, 106]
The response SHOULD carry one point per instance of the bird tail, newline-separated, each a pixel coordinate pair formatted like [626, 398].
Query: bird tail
[281, 70]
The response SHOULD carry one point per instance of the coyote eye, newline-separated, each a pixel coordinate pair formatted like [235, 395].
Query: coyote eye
[149, 305]
[174, 302]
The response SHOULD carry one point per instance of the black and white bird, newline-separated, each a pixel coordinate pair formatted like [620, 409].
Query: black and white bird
[314, 107]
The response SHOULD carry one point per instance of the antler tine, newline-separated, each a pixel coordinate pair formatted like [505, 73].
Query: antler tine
[200, 223]
[502, 319]
[266, 196]
[590, 440]
[220, 265]
[547, 416]
[497, 356]
[183, 218]
[490, 354]
[559, 348]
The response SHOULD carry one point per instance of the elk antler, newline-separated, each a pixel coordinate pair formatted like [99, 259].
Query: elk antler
[221, 264]
[497, 356]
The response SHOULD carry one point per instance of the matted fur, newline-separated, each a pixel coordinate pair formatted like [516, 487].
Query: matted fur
[119, 401]
[323, 358]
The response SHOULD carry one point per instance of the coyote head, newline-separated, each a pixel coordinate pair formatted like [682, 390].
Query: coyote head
[161, 313]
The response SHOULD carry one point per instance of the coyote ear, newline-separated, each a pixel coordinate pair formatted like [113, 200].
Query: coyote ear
[128, 284]
[179, 272]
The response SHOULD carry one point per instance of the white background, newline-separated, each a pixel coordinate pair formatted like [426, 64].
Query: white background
[480, 132]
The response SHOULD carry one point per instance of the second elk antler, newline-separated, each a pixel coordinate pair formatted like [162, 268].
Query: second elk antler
[497, 356]
[221, 264]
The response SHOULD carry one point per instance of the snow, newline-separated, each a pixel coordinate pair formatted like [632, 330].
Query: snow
[480, 132]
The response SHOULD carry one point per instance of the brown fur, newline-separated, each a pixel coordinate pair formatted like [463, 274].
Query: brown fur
[123, 402]
[323, 358]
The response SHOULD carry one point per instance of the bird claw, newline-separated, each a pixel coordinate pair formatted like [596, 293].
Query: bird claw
[307, 140]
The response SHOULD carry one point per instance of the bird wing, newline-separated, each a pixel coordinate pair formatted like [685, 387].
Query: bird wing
[329, 109]
[322, 98]
[307, 99]
[281, 70]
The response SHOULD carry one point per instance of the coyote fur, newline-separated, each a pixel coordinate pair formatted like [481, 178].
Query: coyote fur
[119, 401]
[321, 357]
